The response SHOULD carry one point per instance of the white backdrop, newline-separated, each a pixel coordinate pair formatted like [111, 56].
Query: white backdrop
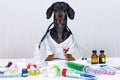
[23, 23]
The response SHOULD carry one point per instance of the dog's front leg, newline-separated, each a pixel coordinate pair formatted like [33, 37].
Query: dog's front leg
[49, 58]
[70, 51]
[69, 57]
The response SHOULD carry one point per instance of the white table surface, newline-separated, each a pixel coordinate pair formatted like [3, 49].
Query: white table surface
[43, 76]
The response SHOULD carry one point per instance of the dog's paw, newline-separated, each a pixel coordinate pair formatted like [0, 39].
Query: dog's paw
[69, 57]
[49, 58]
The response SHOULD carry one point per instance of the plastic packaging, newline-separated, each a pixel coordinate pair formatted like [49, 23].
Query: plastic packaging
[73, 74]
[7, 75]
[11, 71]
[54, 71]
[82, 68]
[110, 70]
[90, 70]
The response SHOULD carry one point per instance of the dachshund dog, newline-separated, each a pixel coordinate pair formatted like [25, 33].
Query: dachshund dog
[59, 41]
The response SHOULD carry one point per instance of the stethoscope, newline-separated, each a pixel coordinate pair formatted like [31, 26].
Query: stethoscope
[77, 46]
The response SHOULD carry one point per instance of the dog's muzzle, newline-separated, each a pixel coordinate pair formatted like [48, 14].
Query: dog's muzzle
[60, 15]
[60, 22]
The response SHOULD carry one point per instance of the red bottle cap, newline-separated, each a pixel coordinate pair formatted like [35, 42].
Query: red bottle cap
[64, 72]
[29, 65]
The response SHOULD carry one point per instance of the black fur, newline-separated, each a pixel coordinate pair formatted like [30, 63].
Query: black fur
[61, 10]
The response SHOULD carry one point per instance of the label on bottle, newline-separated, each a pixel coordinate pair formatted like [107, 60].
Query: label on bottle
[102, 60]
[94, 61]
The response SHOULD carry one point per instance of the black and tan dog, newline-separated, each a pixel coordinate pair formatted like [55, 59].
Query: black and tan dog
[59, 40]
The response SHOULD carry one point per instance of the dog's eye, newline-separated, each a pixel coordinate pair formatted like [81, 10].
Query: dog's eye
[64, 7]
[55, 7]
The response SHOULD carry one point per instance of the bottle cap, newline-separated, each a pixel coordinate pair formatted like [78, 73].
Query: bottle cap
[64, 72]
[37, 47]
[24, 72]
[101, 51]
[94, 51]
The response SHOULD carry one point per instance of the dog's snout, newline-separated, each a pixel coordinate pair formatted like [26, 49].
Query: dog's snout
[60, 15]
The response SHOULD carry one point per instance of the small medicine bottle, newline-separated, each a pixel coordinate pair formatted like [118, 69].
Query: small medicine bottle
[94, 57]
[25, 72]
[102, 57]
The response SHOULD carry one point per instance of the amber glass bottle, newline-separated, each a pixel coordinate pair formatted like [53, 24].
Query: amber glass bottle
[94, 57]
[102, 57]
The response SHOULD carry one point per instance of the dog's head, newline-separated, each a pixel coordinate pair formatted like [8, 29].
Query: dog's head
[60, 10]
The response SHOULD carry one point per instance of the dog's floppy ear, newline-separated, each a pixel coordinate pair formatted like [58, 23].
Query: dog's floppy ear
[70, 12]
[49, 12]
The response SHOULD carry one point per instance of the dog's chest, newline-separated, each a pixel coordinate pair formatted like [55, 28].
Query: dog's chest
[51, 41]
[58, 49]
[59, 38]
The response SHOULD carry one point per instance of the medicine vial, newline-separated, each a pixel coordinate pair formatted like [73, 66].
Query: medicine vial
[24, 72]
[94, 57]
[102, 57]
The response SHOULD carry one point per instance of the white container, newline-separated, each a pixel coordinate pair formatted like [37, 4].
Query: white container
[37, 58]
[53, 71]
